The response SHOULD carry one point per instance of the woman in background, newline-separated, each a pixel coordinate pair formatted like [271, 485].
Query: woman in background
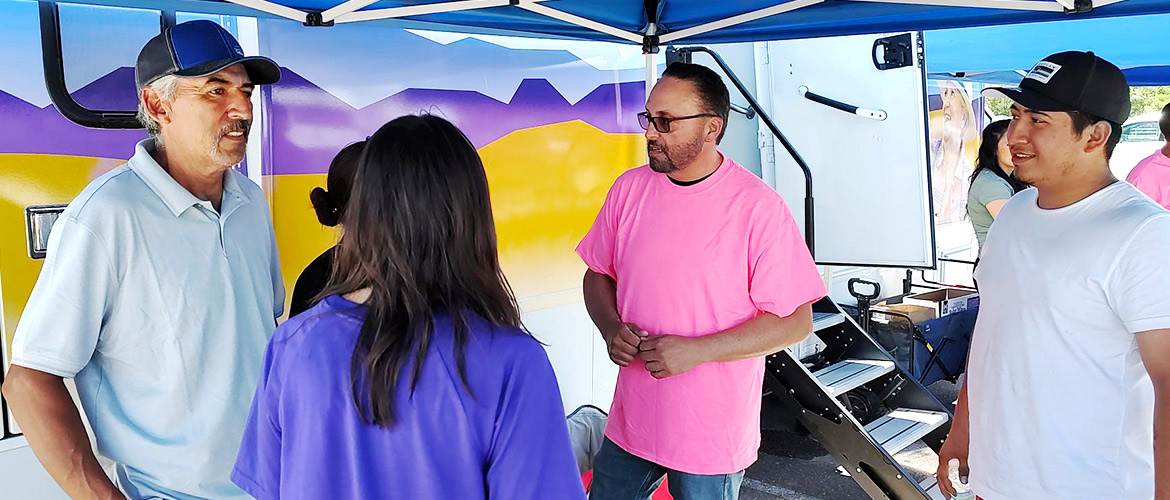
[992, 182]
[330, 206]
[413, 378]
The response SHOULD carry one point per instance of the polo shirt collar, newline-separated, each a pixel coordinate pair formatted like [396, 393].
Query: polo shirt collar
[175, 196]
[233, 194]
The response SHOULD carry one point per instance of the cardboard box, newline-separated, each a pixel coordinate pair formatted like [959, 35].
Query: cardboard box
[945, 301]
[917, 314]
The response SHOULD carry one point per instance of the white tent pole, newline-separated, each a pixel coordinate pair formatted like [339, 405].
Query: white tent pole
[534, 6]
[651, 62]
[734, 20]
[418, 10]
[345, 8]
[1033, 5]
[651, 72]
[274, 9]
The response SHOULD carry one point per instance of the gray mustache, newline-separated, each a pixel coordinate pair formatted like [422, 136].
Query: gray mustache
[244, 126]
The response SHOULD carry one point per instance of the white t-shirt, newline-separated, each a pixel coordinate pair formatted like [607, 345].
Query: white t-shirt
[1061, 404]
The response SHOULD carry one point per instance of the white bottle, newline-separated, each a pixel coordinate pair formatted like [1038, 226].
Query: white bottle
[962, 490]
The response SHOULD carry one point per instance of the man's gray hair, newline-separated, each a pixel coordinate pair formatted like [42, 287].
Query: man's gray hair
[166, 87]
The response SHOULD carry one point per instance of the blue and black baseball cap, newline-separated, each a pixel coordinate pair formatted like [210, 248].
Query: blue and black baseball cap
[198, 48]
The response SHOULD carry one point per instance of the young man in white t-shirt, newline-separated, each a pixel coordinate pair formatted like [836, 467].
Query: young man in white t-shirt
[1069, 372]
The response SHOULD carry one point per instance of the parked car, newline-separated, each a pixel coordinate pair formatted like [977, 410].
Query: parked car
[1140, 137]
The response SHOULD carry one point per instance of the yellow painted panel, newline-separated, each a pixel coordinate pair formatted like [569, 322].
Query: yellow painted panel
[300, 238]
[25, 180]
[547, 185]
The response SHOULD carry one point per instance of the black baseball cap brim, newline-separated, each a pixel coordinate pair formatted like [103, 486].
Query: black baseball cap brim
[1029, 99]
[261, 70]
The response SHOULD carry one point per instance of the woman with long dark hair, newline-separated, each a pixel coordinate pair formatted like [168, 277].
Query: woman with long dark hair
[413, 378]
[330, 206]
[992, 182]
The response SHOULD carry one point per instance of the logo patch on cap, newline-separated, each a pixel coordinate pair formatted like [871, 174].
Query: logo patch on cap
[1043, 71]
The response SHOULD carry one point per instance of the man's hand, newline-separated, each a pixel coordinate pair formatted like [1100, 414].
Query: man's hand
[51, 423]
[623, 341]
[954, 447]
[670, 355]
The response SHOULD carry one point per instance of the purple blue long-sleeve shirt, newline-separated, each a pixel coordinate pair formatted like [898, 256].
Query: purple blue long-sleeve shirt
[305, 438]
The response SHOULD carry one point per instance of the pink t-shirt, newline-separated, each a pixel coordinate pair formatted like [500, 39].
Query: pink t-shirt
[692, 261]
[1152, 177]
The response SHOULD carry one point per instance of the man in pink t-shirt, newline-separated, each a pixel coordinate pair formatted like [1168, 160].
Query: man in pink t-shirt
[696, 272]
[1152, 175]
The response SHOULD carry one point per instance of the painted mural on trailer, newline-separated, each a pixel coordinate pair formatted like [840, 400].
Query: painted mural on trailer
[554, 122]
[956, 122]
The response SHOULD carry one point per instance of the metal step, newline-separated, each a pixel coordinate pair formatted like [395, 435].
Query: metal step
[930, 486]
[903, 427]
[851, 374]
[823, 320]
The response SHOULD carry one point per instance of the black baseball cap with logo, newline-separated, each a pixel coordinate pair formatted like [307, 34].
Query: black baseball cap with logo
[198, 48]
[1073, 81]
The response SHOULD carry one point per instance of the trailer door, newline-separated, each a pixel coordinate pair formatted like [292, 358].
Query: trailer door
[870, 174]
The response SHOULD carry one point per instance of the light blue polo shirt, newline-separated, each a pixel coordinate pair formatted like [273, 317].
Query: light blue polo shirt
[161, 309]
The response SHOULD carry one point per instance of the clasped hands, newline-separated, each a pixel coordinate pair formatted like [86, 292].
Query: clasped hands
[664, 355]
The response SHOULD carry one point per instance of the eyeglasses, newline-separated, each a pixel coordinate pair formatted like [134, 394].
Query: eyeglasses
[662, 123]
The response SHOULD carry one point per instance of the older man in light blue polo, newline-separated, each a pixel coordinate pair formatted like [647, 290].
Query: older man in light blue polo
[160, 291]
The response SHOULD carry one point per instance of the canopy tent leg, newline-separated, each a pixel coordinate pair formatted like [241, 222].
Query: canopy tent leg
[535, 7]
[1066, 6]
[274, 8]
[416, 10]
[740, 19]
[651, 72]
[345, 8]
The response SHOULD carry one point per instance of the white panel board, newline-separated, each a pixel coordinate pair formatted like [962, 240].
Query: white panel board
[870, 177]
[22, 476]
[571, 342]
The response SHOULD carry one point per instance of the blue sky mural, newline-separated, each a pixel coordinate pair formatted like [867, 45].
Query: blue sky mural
[365, 64]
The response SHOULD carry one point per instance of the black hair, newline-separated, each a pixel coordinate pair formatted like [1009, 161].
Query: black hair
[708, 85]
[1164, 122]
[1082, 121]
[330, 205]
[988, 158]
[419, 234]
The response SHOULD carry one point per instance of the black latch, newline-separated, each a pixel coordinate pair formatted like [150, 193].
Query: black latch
[897, 52]
[650, 44]
[674, 54]
[1080, 7]
[314, 19]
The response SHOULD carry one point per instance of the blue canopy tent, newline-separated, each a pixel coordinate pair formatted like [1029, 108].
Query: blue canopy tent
[654, 22]
[1002, 54]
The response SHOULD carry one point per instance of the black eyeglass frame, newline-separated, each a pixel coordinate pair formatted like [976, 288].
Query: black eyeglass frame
[644, 120]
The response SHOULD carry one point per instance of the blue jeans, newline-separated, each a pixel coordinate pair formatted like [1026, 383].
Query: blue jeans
[618, 475]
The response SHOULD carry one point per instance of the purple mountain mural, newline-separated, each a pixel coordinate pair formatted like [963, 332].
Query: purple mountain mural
[26, 128]
[114, 91]
[310, 125]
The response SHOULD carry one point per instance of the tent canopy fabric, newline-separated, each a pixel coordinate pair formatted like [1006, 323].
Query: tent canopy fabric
[684, 21]
[1002, 54]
